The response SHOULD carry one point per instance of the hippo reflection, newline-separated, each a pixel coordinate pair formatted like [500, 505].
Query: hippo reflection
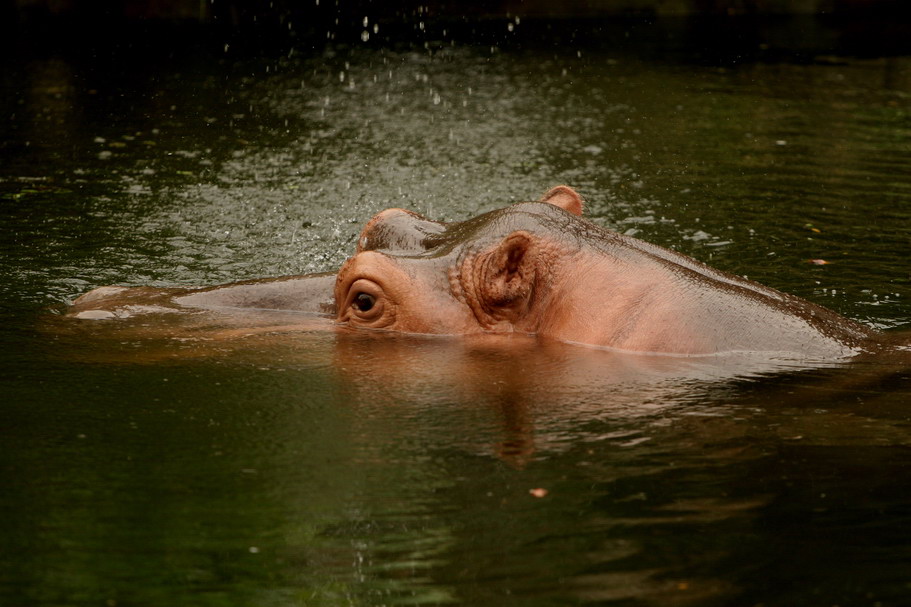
[535, 268]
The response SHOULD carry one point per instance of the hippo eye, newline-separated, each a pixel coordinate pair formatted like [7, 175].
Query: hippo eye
[364, 302]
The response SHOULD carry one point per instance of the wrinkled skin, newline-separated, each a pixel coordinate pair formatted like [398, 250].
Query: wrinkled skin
[535, 268]
[539, 268]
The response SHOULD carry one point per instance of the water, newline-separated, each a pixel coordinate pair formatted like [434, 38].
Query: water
[326, 469]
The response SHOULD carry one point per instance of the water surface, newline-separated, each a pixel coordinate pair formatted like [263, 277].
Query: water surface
[328, 469]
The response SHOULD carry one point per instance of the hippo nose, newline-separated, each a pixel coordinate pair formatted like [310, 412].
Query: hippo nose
[398, 232]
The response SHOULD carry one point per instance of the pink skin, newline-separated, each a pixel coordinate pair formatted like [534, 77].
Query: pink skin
[403, 302]
[559, 276]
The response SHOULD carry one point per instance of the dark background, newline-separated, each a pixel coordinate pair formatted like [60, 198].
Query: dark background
[733, 29]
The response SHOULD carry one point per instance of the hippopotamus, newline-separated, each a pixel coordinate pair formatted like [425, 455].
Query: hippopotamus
[536, 268]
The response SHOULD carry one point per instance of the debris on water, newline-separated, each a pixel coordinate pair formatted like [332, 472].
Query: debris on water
[812, 228]
[818, 262]
[539, 492]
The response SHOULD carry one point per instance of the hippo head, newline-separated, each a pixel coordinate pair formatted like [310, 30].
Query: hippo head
[491, 273]
[539, 268]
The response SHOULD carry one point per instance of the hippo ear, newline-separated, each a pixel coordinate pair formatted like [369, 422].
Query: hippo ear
[509, 276]
[564, 197]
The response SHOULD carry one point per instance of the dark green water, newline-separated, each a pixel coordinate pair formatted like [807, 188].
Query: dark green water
[327, 469]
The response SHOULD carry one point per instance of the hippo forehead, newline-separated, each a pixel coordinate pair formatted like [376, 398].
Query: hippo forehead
[406, 234]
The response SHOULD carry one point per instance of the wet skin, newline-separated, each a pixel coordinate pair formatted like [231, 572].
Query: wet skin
[539, 268]
[310, 294]
[535, 268]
